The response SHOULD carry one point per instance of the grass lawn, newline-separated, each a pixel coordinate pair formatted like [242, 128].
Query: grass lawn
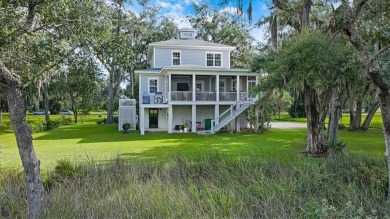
[213, 176]
[100, 143]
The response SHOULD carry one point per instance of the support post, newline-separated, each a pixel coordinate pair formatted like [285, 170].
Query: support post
[193, 124]
[238, 88]
[217, 87]
[170, 118]
[193, 87]
[142, 120]
[216, 114]
[169, 87]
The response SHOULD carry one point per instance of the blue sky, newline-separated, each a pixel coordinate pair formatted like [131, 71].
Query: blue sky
[178, 10]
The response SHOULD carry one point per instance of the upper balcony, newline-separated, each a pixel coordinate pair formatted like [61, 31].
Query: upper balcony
[200, 89]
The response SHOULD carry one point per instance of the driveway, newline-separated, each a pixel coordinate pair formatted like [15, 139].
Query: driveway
[288, 125]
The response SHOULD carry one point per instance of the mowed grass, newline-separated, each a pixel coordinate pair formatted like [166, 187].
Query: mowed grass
[162, 175]
[102, 143]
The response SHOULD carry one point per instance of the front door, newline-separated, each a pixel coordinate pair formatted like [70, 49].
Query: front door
[153, 118]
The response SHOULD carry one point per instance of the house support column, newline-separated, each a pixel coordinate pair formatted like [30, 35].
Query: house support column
[169, 87]
[216, 114]
[238, 124]
[217, 88]
[238, 88]
[170, 118]
[193, 119]
[193, 87]
[142, 120]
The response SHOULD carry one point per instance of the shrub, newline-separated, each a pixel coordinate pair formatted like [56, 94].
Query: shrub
[42, 125]
[126, 127]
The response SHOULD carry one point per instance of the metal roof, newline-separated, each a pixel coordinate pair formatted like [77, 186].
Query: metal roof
[191, 43]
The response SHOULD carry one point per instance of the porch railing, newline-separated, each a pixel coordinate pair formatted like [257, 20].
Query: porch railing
[181, 95]
[206, 96]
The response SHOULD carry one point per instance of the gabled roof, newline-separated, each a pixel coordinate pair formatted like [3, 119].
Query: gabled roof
[191, 43]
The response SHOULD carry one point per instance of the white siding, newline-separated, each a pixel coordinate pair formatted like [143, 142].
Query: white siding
[163, 57]
[145, 81]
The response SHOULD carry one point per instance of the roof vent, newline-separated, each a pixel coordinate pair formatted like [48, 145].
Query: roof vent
[187, 33]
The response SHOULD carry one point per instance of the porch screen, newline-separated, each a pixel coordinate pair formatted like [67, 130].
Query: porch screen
[182, 87]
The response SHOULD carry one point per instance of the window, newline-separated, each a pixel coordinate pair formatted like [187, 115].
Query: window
[199, 86]
[187, 34]
[176, 58]
[222, 87]
[214, 59]
[153, 85]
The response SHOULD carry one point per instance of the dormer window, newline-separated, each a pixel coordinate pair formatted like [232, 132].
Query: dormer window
[175, 57]
[213, 59]
[187, 33]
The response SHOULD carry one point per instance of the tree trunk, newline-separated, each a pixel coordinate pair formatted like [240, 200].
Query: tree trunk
[357, 116]
[315, 138]
[305, 14]
[110, 103]
[74, 108]
[370, 115]
[1, 115]
[334, 112]
[17, 112]
[384, 97]
[46, 99]
[37, 96]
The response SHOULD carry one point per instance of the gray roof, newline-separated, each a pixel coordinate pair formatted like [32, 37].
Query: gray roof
[191, 43]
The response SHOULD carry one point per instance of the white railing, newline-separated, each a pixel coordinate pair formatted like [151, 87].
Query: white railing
[222, 116]
[181, 95]
[228, 96]
[206, 96]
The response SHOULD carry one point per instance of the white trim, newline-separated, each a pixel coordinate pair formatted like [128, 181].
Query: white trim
[228, 58]
[209, 52]
[224, 48]
[172, 51]
[154, 57]
[153, 78]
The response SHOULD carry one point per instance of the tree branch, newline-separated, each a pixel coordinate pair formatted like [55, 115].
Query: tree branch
[8, 78]
[380, 52]
[26, 27]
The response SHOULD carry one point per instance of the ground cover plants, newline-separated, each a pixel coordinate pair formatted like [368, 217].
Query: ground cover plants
[211, 186]
[95, 171]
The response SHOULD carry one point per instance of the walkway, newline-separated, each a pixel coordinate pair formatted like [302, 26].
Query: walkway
[288, 125]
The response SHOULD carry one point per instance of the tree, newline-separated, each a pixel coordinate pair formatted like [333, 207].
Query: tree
[27, 22]
[2, 105]
[311, 62]
[224, 28]
[113, 49]
[80, 80]
[371, 45]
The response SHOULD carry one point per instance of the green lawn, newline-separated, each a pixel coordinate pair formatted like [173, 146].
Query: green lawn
[100, 143]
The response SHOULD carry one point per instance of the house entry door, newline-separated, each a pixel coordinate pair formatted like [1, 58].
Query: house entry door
[153, 118]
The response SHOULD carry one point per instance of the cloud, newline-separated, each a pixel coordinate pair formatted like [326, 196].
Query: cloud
[229, 10]
[189, 2]
[260, 34]
[175, 11]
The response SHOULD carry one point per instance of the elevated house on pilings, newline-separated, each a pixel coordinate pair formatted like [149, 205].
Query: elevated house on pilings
[190, 85]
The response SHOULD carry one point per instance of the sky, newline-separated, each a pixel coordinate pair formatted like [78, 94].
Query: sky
[178, 10]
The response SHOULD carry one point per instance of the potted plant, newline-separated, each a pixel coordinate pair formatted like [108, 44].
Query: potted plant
[185, 125]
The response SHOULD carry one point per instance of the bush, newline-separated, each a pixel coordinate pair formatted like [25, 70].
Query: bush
[42, 125]
[126, 127]
[103, 121]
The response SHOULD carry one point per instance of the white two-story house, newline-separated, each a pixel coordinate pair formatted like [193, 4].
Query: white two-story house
[190, 83]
